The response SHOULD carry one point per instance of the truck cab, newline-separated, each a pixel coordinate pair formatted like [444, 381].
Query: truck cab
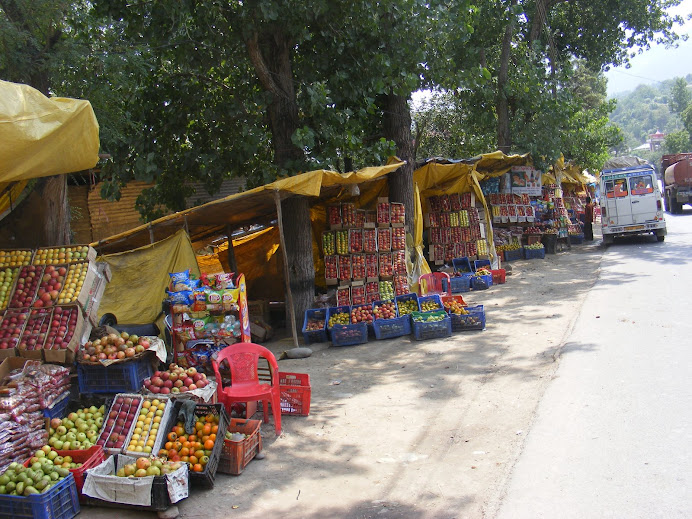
[631, 203]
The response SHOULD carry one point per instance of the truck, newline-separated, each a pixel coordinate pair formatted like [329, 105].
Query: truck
[677, 179]
[631, 203]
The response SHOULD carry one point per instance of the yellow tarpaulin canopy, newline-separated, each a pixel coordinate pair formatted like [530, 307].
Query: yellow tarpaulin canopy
[44, 136]
[140, 277]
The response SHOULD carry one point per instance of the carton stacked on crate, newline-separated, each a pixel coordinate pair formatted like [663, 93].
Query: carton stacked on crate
[511, 208]
[51, 298]
[455, 228]
[362, 249]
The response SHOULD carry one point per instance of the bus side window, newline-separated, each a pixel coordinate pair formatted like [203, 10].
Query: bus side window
[609, 189]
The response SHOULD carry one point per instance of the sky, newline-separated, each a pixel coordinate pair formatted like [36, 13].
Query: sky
[658, 63]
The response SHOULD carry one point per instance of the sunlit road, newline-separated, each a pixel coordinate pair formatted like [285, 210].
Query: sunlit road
[613, 434]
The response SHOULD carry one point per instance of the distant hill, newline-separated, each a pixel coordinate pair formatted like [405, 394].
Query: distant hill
[644, 110]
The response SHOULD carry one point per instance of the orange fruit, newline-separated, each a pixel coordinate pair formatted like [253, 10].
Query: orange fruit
[179, 430]
[206, 430]
[199, 453]
[184, 451]
[212, 437]
[210, 418]
[214, 429]
[168, 446]
[192, 438]
[193, 459]
[184, 459]
[199, 426]
[172, 436]
[197, 468]
[177, 446]
[182, 439]
[172, 454]
[186, 445]
[208, 445]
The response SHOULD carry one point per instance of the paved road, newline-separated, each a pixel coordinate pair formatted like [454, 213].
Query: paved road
[612, 436]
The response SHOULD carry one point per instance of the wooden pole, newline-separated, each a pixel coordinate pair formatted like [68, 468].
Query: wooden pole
[151, 234]
[232, 263]
[287, 279]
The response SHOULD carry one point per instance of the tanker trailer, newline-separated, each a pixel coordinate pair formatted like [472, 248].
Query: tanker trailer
[677, 179]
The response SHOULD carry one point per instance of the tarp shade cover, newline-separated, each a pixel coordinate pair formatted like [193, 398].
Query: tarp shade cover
[41, 136]
[140, 277]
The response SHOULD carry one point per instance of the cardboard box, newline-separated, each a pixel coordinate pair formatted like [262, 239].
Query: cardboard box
[10, 364]
[66, 355]
[8, 353]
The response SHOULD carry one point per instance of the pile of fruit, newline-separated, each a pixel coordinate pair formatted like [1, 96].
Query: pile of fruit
[386, 289]
[429, 305]
[193, 449]
[78, 431]
[355, 240]
[397, 213]
[550, 230]
[119, 422]
[401, 285]
[19, 480]
[455, 307]
[383, 213]
[62, 328]
[370, 240]
[384, 239]
[334, 215]
[385, 310]
[147, 426]
[339, 318]
[65, 462]
[144, 467]
[361, 314]
[386, 267]
[533, 230]
[328, 245]
[27, 285]
[113, 346]
[61, 255]
[358, 266]
[358, 295]
[14, 258]
[343, 296]
[342, 242]
[175, 380]
[483, 272]
[7, 276]
[535, 246]
[34, 334]
[431, 318]
[331, 266]
[482, 247]
[314, 324]
[407, 307]
[51, 284]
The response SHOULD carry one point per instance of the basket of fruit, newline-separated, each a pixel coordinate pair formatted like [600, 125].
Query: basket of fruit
[388, 324]
[461, 265]
[144, 483]
[482, 280]
[242, 442]
[535, 251]
[406, 304]
[120, 422]
[431, 303]
[431, 325]
[315, 325]
[342, 330]
[204, 451]
[513, 252]
[467, 318]
[37, 497]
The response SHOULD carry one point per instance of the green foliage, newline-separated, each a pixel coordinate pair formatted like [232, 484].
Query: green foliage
[678, 142]
[679, 96]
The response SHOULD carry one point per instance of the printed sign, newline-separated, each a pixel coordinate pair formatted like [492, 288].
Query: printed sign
[525, 180]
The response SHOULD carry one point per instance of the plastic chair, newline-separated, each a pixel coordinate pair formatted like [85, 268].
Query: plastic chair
[432, 284]
[243, 360]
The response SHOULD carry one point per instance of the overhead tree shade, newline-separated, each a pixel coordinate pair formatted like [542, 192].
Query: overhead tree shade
[41, 136]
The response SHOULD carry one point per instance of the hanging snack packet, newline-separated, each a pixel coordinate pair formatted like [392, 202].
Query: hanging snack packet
[199, 325]
[185, 332]
[228, 300]
[208, 280]
[214, 303]
[199, 300]
[180, 281]
[224, 281]
[183, 297]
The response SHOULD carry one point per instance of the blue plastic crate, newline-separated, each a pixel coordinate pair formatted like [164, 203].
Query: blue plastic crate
[121, 377]
[482, 282]
[479, 264]
[576, 239]
[58, 502]
[462, 264]
[58, 409]
[431, 297]
[320, 335]
[514, 255]
[390, 328]
[459, 283]
[432, 330]
[406, 297]
[336, 310]
[474, 320]
[534, 253]
[349, 334]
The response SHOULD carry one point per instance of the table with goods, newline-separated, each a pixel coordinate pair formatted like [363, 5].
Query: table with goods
[111, 424]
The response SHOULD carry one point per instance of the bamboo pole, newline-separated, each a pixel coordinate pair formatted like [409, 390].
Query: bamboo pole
[287, 279]
[232, 263]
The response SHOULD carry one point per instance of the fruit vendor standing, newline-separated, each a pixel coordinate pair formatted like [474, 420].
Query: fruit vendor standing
[588, 220]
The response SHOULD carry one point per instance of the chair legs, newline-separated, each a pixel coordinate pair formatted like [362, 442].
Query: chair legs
[276, 412]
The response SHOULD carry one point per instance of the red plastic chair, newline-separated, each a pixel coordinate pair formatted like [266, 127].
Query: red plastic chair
[432, 284]
[243, 360]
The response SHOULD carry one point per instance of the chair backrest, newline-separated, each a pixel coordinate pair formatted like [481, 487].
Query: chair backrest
[243, 359]
[432, 284]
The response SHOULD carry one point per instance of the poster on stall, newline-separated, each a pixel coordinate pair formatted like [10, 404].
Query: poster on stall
[525, 180]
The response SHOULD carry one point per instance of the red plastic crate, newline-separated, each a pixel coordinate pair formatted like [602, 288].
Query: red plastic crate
[295, 393]
[235, 455]
[499, 276]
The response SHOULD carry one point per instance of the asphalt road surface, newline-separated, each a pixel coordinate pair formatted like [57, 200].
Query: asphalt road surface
[612, 436]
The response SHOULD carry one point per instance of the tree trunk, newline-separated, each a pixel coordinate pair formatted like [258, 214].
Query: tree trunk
[504, 136]
[301, 269]
[397, 128]
[56, 222]
[270, 54]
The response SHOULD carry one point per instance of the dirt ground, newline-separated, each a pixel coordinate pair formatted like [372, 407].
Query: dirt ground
[406, 429]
